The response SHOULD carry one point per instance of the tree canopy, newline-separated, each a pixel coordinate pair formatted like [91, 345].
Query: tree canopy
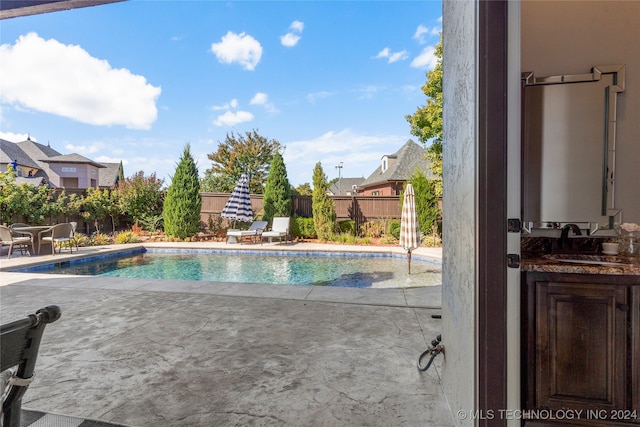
[250, 153]
[426, 122]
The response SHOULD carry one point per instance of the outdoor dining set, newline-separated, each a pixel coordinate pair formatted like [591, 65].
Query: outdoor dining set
[29, 237]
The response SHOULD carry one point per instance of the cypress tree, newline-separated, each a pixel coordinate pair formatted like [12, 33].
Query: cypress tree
[277, 192]
[324, 212]
[183, 201]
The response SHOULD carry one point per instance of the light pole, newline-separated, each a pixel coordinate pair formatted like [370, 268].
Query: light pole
[339, 167]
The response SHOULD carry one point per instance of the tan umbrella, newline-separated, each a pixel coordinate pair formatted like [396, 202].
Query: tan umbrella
[409, 232]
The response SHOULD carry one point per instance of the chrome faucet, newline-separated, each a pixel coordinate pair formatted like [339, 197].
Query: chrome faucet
[564, 235]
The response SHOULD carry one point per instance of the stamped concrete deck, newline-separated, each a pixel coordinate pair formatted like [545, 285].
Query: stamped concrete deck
[165, 353]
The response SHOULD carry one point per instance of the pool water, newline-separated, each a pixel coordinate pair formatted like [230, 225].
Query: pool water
[291, 269]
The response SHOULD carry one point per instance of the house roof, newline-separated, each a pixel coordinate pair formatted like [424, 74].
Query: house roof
[72, 158]
[109, 175]
[10, 151]
[402, 164]
[346, 186]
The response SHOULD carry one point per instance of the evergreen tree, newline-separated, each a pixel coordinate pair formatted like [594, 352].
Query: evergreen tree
[324, 211]
[277, 192]
[183, 201]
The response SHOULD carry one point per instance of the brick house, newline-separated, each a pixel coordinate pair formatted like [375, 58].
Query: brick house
[395, 169]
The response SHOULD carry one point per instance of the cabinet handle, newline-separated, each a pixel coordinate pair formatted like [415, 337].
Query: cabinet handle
[622, 307]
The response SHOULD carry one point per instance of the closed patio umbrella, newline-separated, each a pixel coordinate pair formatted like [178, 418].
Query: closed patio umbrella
[238, 207]
[409, 231]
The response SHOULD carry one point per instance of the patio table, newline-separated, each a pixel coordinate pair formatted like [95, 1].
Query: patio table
[34, 232]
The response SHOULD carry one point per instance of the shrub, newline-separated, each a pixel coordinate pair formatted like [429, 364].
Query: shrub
[214, 224]
[151, 222]
[100, 239]
[372, 229]
[348, 226]
[394, 228]
[303, 227]
[324, 213]
[126, 237]
[388, 239]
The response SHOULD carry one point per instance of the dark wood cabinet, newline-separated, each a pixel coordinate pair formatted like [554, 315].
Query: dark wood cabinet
[581, 349]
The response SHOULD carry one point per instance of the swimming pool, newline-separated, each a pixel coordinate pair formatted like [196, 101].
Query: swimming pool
[290, 268]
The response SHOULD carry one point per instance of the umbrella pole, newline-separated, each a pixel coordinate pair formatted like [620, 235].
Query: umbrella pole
[409, 260]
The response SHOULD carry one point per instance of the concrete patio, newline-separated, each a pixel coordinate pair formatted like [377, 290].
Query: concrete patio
[166, 353]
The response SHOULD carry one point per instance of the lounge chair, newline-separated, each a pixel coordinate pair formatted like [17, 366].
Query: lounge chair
[20, 345]
[57, 235]
[254, 232]
[11, 239]
[279, 229]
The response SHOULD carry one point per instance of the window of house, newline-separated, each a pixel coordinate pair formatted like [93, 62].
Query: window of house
[375, 193]
[384, 165]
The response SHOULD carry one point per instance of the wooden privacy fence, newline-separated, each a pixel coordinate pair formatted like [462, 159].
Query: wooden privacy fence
[358, 208]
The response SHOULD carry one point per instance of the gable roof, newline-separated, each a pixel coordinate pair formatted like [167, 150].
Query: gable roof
[72, 158]
[346, 186]
[110, 175]
[10, 151]
[403, 163]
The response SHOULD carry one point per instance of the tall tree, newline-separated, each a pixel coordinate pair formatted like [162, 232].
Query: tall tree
[183, 201]
[250, 153]
[426, 122]
[277, 192]
[324, 211]
[304, 189]
[141, 197]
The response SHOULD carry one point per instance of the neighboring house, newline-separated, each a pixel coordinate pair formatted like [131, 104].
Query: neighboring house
[110, 176]
[395, 169]
[345, 187]
[37, 164]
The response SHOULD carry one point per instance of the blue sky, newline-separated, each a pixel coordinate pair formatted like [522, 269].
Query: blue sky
[136, 81]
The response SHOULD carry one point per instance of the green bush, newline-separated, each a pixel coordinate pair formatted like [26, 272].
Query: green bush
[303, 228]
[394, 229]
[372, 229]
[348, 226]
[183, 202]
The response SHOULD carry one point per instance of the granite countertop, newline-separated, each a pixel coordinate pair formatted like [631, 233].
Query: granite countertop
[581, 263]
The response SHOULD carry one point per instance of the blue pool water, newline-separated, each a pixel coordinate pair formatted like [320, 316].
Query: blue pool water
[341, 269]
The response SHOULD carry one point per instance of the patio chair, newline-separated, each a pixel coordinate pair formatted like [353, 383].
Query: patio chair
[58, 234]
[11, 239]
[279, 229]
[254, 232]
[20, 345]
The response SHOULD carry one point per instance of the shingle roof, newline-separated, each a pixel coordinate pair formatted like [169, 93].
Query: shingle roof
[10, 151]
[346, 185]
[409, 158]
[109, 175]
[72, 158]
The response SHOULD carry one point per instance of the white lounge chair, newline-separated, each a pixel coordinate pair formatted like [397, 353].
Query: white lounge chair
[254, 232]
[279, 229]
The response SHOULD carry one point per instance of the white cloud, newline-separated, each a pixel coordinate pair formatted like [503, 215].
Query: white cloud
[107, 159]
[359, 153]
[426, 59]
[232, 104]
[262, 98]
[16, 137]
[230, 118]
[240, 48]
[65, 80]
[420, 32]
[297, 26]
[392, 56]
[85, 149]
[293, 37]
[289, 39]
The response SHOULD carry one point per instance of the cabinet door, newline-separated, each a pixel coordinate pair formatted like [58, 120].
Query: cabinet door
[581, 346]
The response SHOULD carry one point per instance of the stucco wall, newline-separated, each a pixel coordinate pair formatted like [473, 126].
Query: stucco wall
[459, 206]
[571, 38]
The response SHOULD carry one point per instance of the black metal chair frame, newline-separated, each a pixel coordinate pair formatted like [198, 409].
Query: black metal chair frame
[20, 345]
